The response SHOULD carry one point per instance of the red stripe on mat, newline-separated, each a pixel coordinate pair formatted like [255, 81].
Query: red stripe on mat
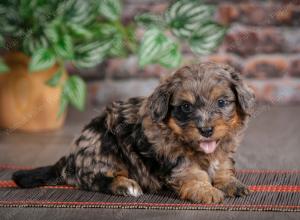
[274, 188]
[15, 167]
[142, 204]
[11, 184]
[255, 188]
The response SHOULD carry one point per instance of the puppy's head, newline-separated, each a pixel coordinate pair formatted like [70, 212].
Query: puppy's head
[202, 104]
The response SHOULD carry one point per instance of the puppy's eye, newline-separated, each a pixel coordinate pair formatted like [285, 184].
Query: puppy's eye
[222, 103]
[187, 108]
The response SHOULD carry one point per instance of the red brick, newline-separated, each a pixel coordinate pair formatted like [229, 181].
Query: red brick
[241, 42]
[295, 2]
[227, 13]
[259, 13]
[247, 41]
[294, 68]
[263, 67]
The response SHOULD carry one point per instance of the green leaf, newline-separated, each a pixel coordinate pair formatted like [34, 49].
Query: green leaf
[153, 44]
[2, 41]
[75, 91]
[63, 104]
[90, 54]
[76, 11]
[32, 44]
[79, 30]
[64, 47]
[117, 48]
[184, 17]
[172, 58]
[54, 80]
[150, 20]
[207, 38]
[110, 9]
[107, 29]
[42, 59]
[3, 67]
[51, 33]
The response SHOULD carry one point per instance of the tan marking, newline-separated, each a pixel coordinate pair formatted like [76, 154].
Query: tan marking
[173, 125]
[191, 132]
[186, 96]
[217, 92]
[235, 122]
[122, 173]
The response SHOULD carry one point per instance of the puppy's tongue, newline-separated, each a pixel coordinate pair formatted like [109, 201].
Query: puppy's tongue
[208, 146]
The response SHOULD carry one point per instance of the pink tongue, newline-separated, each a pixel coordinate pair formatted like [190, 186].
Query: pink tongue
[208, 146]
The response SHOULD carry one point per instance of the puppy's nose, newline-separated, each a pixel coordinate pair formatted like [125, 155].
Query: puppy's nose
[206, 131]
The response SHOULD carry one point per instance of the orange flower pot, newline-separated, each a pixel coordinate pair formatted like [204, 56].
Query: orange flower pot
[26, 102]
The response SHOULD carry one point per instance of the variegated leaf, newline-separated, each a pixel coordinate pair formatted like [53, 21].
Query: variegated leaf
[117, 48]
[55, 79]
[76, 11]
[52, 33]
[75, 91]
[64, 47]
[184, 17]
[110, 9]
[207, 38]
[32, 44]
[90, 54]
[149, 20]
[79, 30]
[154, 42]
[172, 56]
[63, 103]
[42, 59]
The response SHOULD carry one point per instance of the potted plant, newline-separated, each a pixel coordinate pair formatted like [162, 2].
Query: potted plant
[39, 37]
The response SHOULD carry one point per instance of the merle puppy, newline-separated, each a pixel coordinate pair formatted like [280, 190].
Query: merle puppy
[182, 136]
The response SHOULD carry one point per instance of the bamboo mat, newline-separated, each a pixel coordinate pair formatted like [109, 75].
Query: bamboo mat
[272, 190]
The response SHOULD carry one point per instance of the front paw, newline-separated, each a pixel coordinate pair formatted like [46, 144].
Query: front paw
[126, 187]
[234, 188]
[202, 194]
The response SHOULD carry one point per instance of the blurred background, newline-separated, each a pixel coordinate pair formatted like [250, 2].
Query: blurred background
[62, 61]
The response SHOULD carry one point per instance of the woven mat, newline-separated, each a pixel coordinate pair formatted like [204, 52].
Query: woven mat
[272, 191]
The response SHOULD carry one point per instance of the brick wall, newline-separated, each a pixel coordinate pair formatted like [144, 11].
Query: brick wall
[263, 43]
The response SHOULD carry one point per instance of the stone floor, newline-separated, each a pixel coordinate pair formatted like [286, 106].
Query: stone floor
[272, 141]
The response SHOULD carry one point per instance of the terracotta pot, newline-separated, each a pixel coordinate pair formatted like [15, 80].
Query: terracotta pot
[26, 102]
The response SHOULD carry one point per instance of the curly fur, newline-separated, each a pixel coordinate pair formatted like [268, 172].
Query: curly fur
[146, 143]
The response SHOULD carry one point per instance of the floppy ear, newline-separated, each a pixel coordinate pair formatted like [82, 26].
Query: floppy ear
[158, 102]
[245, 95]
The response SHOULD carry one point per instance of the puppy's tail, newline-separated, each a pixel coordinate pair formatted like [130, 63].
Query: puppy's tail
[48, 175]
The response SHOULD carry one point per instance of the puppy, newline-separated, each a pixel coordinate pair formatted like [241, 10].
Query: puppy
[182, 137]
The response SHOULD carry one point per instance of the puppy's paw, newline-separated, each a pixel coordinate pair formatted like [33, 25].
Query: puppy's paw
[234, 188]
[126, 187]
[205, 194]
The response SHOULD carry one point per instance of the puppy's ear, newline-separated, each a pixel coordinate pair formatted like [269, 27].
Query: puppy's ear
[158, 101]
[245, 95]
